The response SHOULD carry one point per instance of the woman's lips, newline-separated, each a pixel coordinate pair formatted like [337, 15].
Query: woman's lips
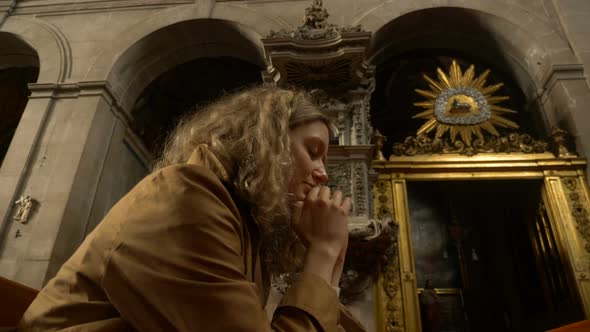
[308, 188]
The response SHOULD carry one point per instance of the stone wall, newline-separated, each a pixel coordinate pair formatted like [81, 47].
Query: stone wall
[96, 57]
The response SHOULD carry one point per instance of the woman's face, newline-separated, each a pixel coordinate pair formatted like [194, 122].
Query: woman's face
[309, 148]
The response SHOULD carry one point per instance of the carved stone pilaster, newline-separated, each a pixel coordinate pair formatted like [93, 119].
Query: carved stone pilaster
[361, 186]
[348, 167]
[340, 178]
[575, 196]
[361, 129]
[390, 283]
[357, 124]
[343, 125]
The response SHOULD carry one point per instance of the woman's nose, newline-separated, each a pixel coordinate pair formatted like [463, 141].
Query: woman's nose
[320, 176]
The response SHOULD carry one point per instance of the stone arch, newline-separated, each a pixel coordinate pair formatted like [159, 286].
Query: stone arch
[19, 66]
[15, 52]
[240, 37]
[511, 49]
[174, 45]
[525, 44]
[49, 44]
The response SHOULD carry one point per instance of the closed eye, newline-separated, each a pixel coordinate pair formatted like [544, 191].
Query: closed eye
[316, 148]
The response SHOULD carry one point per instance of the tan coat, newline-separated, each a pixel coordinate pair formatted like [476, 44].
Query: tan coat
[178, 253]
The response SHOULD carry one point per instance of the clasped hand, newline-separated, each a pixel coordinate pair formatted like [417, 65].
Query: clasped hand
[321, 222]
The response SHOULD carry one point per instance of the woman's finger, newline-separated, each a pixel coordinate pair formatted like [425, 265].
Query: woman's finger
[324, 193]
[347, 204]
[337, 198]
[312, 195]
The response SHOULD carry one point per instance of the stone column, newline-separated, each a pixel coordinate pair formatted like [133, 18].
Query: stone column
[17, 159]
[349, 163]
[56, 158]
[566, 101]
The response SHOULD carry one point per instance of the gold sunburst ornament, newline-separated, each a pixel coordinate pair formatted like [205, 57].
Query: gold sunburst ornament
[462, 104]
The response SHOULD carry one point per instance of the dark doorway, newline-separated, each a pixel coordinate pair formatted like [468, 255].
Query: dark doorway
[477, 243]
[14, 95]
[184, 88]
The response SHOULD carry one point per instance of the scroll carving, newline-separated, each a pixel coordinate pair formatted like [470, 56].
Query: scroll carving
[391, 281]
[359, 188]
[575, 194]
[340, 178]
[369, 247]
[392, 289]
[559, 137]
[315, 25]
[514, 142]
[382, 208]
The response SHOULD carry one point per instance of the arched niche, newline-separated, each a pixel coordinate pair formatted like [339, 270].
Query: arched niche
[19, 66]
[52, 53]
[176, 44]
[184, 89]
[157, 80]
[433, 36]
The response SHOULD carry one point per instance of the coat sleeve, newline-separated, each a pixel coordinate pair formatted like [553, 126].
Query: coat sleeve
[348, 322]
[179, 265]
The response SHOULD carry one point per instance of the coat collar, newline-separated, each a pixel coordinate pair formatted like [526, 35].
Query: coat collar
[203, 156]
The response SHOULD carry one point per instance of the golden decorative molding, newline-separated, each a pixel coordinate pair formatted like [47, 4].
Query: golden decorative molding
[462, 105]
[369, 247]
[393, 297]
[389, 283]
[396, 292]
[559, 137]
[379, 140]
[579, 209]
[383, 208]
[514, 142]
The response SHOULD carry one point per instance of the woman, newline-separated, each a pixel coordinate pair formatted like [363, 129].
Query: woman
[181, 251]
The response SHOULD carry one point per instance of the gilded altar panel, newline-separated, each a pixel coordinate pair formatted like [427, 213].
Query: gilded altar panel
[565, 194]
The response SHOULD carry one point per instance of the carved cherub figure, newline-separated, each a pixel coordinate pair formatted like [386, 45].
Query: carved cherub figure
[25, 205]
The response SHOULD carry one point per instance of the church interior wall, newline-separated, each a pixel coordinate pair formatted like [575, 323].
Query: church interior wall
[70, 146]
[123, 168]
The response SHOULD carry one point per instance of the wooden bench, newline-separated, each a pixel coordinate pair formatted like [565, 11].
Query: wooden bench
[583, 326]
[16, 298]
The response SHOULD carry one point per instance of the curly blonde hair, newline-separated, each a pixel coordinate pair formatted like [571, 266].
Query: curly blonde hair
[248, 132]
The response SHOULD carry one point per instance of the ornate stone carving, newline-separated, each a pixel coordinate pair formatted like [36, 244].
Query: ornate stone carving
[382, 209]
[369, 247]
[25, 204]
[379, 141]
[392, 289]
[366, 106]
[340, 178]
[357, 126]
[559, 137]
[514, 142]
[319, 55]
[316, 16]
[574, 192]
[462, 104]
[315, 26]
[327, 102]
[362, 130]
[342, 125]
[391, 280]
[360, 176]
